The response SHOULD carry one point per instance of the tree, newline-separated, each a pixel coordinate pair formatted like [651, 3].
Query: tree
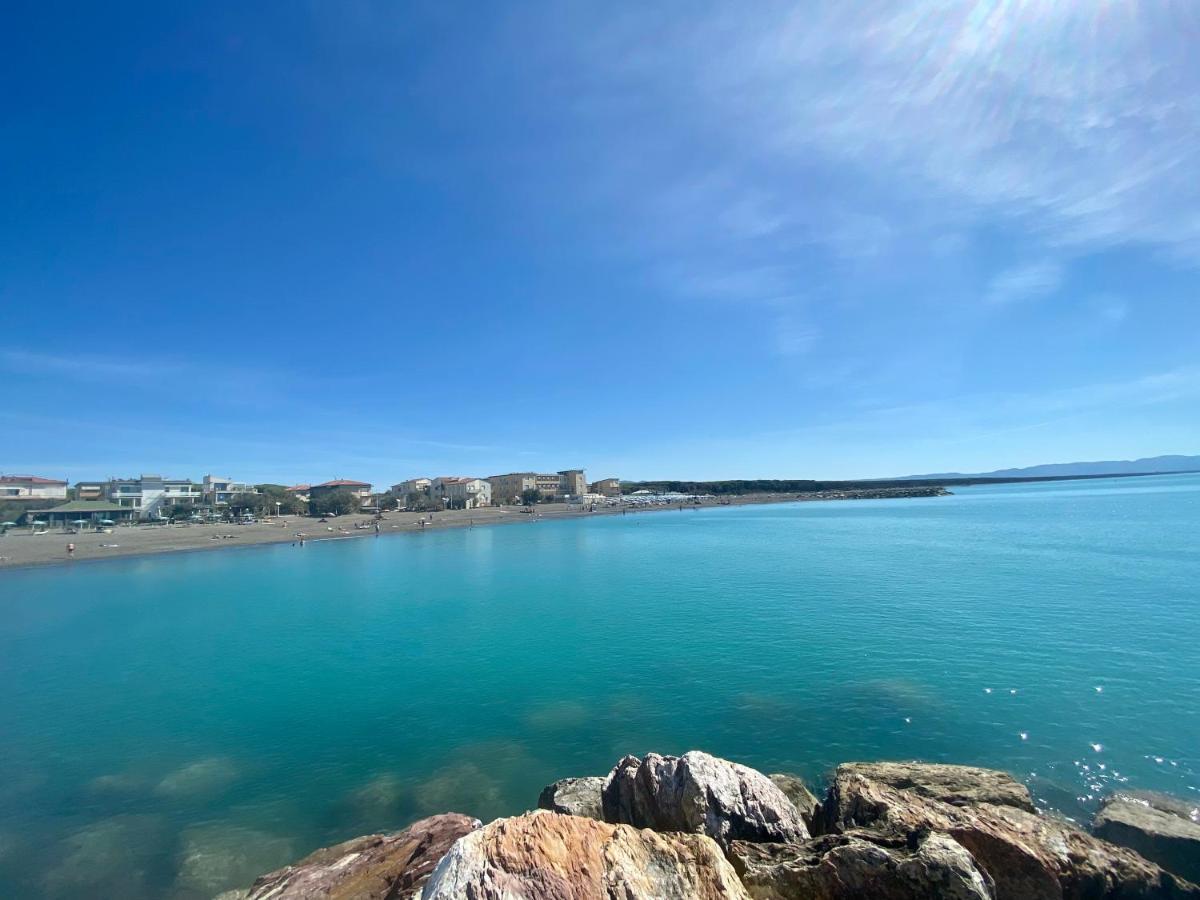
[419, 501]
[180, 511]
[388, 501]
[239, 504]
[287, 503]
[530, 496]
[336, 503]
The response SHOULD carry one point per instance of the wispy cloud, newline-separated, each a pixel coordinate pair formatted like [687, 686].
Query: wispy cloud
[1025, 282]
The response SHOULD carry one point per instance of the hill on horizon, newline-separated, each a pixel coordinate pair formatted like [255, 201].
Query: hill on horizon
[1146, 465]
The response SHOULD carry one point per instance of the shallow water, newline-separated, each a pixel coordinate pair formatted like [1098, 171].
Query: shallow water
[172, 726]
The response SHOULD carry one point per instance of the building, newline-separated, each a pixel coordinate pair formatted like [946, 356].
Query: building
[31, 487]
[218, 491]
[153, 496]
[559, 486]
[91, 490]
[300, 491]
[572, 483]
[360, 489]
[462, 493]
[84, 514]
[607, 487]
[509, 488]
[412, 486]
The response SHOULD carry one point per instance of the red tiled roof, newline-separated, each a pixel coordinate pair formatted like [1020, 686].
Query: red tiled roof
[343, 482]
[30, 479]
[298, 487]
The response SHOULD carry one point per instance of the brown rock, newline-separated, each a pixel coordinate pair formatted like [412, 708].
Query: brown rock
[540, 855]
[574, 797]
[956, 785]
[930, 866]
[1028, 856]
[374, 867]
[802, 798]
[700, 794]
[1164, 829]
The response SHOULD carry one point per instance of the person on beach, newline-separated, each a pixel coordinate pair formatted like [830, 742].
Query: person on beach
[70, 550]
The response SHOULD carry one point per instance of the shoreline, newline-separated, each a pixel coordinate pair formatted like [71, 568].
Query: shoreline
[20, 550]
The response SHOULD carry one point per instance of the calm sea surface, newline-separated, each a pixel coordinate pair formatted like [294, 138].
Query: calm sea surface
[173, 726]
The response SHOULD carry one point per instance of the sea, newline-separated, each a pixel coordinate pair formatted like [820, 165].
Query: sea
[173, 726]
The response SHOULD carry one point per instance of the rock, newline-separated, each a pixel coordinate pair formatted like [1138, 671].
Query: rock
[374, 867]
[574, 797]
[802, 798]
[956, 785]
[700, 794]
[541, 855]
[1028, 856]
[931, 866]
[1164, 829]
[202, 779]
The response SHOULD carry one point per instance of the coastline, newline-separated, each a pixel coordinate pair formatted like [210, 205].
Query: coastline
[21, 550]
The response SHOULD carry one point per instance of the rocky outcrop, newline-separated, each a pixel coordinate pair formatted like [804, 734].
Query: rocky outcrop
[929, 866]
[539, 856]
[574, 797]
[1028, 856]
[956, 785]
[1163, 829]
[700, 794]
[802, 798]
[375, 867]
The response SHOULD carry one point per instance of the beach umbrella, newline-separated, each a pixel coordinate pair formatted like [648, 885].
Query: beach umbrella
[8, 524]
[39, 522]
[107, 522]
[80, 522]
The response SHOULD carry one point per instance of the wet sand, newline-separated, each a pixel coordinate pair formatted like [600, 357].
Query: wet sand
[19, 548]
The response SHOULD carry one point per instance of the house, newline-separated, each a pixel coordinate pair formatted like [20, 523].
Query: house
[509, 488]
[218, 491]
[300, 491]
[572, 483]
[607, 487]
[360, 489]
[462, 493]
[153, 496]
[31, 487]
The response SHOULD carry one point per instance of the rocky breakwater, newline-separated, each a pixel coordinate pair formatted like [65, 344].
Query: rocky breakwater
[698, 826]
[895, 493]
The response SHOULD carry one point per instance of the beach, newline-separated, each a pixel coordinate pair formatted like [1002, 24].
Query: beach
[20, 548]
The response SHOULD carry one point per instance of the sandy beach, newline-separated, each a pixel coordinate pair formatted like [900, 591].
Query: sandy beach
[19, 548]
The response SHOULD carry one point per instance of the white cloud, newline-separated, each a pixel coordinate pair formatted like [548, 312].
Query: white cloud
[1025, 282]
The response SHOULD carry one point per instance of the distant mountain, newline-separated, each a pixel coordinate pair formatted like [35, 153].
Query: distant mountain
[1156, 464]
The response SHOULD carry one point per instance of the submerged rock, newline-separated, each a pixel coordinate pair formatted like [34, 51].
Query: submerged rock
[700, 794]
[112, 857]
[539, 856]
[215, 858]
[1028, 856]
[802, 798]
[574, 797]
[199, 780]
[956, 785]
[1164, 829]
[374, 867]
[931, 866]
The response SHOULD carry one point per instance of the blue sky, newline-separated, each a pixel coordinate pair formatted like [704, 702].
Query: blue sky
[701, 240]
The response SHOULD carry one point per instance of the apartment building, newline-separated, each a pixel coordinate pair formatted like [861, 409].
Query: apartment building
[572, 483]
[152, 496]
[218, 490]
[462, 492]
[412, 486]
[567, 483]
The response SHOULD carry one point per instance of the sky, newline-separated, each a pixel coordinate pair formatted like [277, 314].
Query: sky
[297, 241]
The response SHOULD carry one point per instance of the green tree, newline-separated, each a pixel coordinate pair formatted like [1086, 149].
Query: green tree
[239, 504]
[336, 503]
[388, 501]
[530, 496]
[180, 511]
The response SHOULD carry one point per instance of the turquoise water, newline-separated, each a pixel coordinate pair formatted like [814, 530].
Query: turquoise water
[171, 726]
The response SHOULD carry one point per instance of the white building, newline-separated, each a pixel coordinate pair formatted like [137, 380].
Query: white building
[218, 491]
[152, 496]
[32, 487]
[462, 493]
